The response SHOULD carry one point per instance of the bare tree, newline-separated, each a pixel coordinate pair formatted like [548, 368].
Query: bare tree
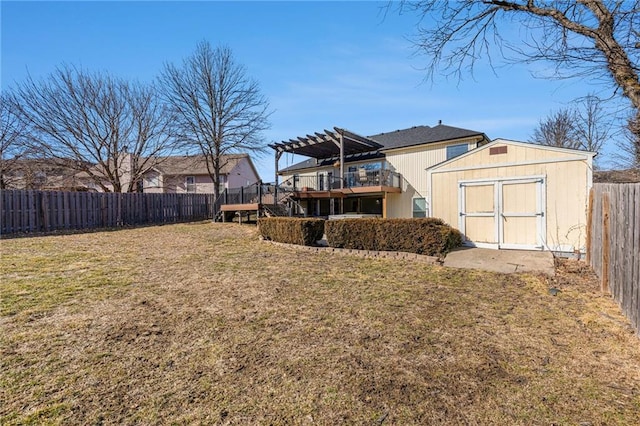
[12, 139]
[593, 124]
[108, 128]
[558, 129]
[219, 109]
[598, 39]
[627, 154]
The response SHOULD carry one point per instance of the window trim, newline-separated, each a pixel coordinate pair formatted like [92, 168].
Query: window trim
[188, 185]
[457, 146]
[414, 211]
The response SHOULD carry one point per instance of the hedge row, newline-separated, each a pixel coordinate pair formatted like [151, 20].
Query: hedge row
[427, 236]
[291, 230]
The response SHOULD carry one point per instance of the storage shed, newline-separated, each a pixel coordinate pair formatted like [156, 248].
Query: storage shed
[515, 195]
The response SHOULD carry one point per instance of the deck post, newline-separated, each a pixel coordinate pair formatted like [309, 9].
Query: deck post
[275, 188]
[384, 205]
[341, 161]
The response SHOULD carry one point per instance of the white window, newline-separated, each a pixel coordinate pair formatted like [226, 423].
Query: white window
[152, 181]
[455, 150]
[419, 207]
[190, 183]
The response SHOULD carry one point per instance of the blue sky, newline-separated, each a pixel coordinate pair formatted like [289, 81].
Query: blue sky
[320, 64]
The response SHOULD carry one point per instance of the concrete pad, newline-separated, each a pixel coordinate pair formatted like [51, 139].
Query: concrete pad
[504, 261]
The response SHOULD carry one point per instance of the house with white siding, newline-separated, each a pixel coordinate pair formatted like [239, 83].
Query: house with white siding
[384, 174]
[500, 194]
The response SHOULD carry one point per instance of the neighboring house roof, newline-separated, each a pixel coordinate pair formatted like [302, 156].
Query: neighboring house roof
[417, 135]
[197, 164]
[617, 176]
[40, 173]
[189, 165]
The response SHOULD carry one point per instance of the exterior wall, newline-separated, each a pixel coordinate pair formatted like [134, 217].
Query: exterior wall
[242, 175]
[125, 161]
[177, 184]
[152, 183]
[567, 179]
[411, 164]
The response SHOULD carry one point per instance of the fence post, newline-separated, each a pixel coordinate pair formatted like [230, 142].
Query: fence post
[606, 236]
[589, 225]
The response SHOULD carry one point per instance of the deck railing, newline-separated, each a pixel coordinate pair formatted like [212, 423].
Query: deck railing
[257, 193]
[362, 178]
[261, 193]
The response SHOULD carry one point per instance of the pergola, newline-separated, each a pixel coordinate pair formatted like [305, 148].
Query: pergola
[337, 143]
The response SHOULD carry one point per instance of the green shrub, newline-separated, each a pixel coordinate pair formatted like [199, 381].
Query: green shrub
[427, 236]
[352, 233]
[291, 230]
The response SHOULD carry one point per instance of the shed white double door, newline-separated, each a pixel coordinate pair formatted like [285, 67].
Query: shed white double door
[503, 213]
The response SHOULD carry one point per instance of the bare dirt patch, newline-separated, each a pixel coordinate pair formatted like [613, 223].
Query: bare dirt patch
[203, 323]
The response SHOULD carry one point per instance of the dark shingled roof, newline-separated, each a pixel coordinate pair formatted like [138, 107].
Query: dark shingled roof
[417, 135]
[420, 135]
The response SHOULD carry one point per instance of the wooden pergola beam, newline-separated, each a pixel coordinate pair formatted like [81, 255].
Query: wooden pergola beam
[336, 142]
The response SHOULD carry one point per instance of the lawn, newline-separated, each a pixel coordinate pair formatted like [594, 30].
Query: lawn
[203, 323]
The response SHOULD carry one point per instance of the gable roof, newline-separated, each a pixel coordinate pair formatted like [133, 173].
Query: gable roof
[420, 135]
[197, 164]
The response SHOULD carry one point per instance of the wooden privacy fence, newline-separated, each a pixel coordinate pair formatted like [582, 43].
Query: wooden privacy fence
[613, 243]
[43, 211]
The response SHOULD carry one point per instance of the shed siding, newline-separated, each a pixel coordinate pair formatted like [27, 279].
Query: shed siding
[515, 154]
[567, 186]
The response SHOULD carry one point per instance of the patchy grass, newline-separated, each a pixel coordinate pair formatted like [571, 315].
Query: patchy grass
[203, 323]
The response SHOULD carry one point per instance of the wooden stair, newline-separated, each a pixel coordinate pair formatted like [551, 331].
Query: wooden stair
[275, 210]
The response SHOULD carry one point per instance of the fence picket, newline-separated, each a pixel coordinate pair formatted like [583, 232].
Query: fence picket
[45, 211]
[614, 248]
